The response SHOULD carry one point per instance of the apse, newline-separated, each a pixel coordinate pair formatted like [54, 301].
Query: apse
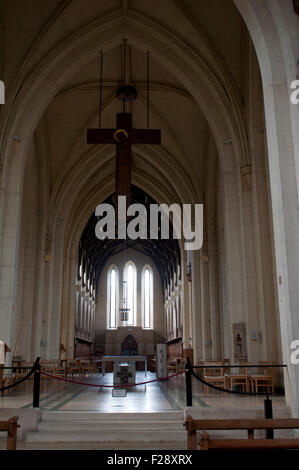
[125, 284]
[94, 253]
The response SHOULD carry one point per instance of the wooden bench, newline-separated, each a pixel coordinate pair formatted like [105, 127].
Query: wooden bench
[11, 426]
[207, 443]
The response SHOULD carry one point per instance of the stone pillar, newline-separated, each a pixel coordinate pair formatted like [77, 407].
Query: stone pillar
[186, 306]
[70, 306]
[274, 30]
[231, 259]
[196, 307]
[216, 335]
[205, 306]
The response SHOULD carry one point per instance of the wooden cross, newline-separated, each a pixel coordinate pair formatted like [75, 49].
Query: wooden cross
[123, 136]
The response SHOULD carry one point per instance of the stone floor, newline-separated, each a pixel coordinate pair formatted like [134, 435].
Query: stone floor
[153, 397]
[70, 403]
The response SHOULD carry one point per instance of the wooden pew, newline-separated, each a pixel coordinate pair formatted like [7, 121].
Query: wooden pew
[207, 443]
[11, 426]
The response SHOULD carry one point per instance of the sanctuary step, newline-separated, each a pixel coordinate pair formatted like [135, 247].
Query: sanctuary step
[63, 427]
[146, 430]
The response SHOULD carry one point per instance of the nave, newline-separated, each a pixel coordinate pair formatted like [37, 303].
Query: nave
[114, 110]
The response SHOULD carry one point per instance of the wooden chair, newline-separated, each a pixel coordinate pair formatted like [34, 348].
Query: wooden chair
[226, 366]
[207, 443]
[240, 379]
[264, 379]
[23, 372]
[45, 382]
[85, 368]
[59, 371]
[10, 380]
[214, 375]
[200, 370]
[73, 368]
[175, 364]
[96, 366]
[6, 381]
[49, 364]
[50, 368]
[172, 365]
[11, 427]
[180, 364]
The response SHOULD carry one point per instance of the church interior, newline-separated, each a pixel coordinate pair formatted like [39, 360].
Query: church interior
[212, 78]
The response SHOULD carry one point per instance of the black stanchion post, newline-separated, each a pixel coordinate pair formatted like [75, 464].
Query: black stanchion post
[268, 415]
[188, 378]
[36, 386]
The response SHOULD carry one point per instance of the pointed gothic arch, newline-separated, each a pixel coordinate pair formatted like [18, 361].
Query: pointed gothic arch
[129, 346]
[130, 292]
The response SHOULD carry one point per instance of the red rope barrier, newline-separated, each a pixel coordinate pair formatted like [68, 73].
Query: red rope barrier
[64, 379]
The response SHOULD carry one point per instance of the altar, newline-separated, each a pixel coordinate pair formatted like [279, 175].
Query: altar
[124, 359]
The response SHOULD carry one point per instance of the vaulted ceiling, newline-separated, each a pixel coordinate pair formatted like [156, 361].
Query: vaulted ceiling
[213, 29]
[77, 177]
[76, 106]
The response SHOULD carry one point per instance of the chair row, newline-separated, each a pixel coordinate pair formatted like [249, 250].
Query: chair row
[221, 375]
[72, 368]
[11, 379]
[175, 364]
[67, 367]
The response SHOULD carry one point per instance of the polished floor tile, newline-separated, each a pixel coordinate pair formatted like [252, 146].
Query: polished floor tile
[152, 397]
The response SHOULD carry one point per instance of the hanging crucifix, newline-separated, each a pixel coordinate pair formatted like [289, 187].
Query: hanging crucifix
[124, 135]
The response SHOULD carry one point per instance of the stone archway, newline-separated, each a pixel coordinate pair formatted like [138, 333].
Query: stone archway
[273, 26]
[41, 85]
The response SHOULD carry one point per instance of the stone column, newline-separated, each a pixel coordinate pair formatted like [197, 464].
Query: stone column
[231, 258]
[274, 29]
[205, 306]
[212, 247]
[216, 335]
[196, 308]
[186, 305]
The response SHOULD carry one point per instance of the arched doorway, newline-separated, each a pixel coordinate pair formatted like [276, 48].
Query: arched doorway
[129, 346]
